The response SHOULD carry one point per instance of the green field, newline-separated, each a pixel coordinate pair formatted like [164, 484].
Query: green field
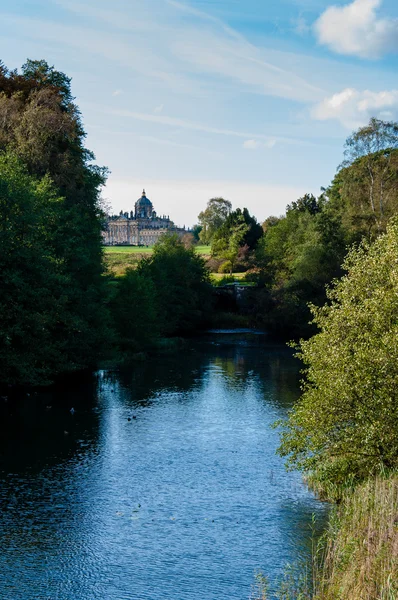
[128, 249]
[120, 258]
[205, 250]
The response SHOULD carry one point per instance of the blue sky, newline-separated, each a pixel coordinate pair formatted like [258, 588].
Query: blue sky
[248, 99]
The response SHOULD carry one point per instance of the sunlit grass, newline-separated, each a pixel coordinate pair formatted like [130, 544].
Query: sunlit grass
[205, 250]
[128, 249]
[362, 545]
[120, 258]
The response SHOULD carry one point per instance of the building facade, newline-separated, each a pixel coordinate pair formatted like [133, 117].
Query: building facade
[141, 227]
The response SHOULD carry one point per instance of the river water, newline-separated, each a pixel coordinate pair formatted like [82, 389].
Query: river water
[162, 485]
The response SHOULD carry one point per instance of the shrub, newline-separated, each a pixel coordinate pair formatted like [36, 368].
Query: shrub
[345, 426]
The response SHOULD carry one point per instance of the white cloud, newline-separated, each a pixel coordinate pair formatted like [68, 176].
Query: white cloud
[354, 108]
[355, 29]
[255, 144]
[158, 109]
[117, 93]
[251, 144]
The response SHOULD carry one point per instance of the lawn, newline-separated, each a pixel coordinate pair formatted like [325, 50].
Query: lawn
[128, 249]
[205, 250]
[120, 258]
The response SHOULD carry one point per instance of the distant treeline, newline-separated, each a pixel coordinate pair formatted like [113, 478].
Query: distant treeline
[294, 257]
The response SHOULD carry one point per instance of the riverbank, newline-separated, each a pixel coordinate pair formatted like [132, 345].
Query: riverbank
[357, 556]
[361, 545]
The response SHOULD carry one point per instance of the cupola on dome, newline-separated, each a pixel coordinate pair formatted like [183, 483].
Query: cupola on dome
[143, 207]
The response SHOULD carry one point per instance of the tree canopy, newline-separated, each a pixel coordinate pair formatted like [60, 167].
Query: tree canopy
[40, 127]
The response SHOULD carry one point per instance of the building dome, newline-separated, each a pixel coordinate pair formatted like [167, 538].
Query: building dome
[143, 207]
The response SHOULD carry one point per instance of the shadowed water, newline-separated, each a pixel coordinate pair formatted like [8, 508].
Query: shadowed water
[184, 501]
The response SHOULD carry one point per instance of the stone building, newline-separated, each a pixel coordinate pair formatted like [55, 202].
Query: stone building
[141, 227]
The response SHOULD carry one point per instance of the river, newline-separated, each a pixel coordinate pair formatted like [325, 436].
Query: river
[162, 483]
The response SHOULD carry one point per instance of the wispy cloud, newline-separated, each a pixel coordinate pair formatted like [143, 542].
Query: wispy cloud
[195, 126]
[117, 93]
[158, 109]
[152, 140]
[149, 62]
[203, 15]
[356, 29]
[255, 144]
[227, 53]
[185, 41]
[301, 26]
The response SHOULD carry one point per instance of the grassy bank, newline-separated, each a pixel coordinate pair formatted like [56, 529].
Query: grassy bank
[361, 545]
[356, 558]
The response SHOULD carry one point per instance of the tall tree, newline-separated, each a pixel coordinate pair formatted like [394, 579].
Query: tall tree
[369, 179]
[213, 217]
[228, 246]
[41, 125]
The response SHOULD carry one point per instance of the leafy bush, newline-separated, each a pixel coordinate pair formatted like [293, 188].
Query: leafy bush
[345, 425]
[226, 267]
[135, 312]
[182, 284]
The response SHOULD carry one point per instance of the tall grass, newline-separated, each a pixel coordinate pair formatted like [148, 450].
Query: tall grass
[361, 551]
[356, 558]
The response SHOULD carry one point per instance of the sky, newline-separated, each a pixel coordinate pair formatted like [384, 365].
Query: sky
[251, 100]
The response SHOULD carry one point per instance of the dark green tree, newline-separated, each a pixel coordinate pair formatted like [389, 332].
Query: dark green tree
[196, 231]
[41, 125]
[229, 246]
[253, 231]
[135, 312]
[182, 286]
[299, 254]
[36, 318]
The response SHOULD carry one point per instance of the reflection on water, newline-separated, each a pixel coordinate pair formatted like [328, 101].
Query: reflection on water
[163, 484]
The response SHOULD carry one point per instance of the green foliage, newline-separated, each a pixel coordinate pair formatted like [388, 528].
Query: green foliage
[226, 245]
[35, 316]
[40, 125]
[226, 267]
[182, 285]
[260, 590]
[212, 218]
[298, 255]
[303, 251]
[196, 231]
[252, 232]
[134, 309]
[365, 191]
[345, 425]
